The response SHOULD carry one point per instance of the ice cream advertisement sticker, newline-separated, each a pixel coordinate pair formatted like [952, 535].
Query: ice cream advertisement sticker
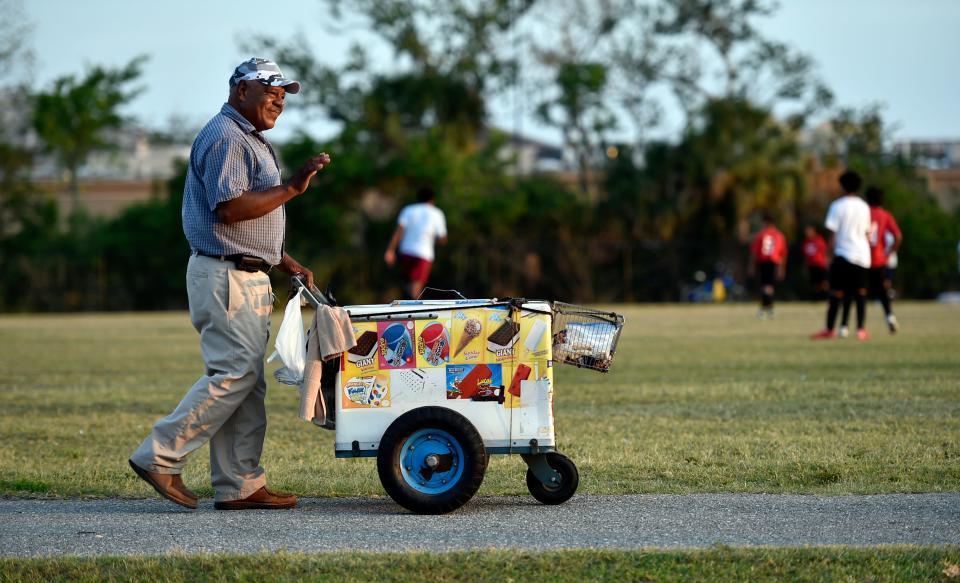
[534, 330]
[362, 358]
[433, 343]
[396, 347]
[500, 336]
[365, 392]
[479, 382]
[466, 330]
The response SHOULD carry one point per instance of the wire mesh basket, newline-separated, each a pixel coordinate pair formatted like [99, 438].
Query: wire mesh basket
[584, 337]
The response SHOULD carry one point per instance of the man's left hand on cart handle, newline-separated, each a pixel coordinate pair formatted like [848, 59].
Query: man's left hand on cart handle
[292, 267]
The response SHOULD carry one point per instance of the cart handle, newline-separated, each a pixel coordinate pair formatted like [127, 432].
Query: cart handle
[313, 295]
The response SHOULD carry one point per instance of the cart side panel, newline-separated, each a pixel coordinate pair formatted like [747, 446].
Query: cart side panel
[506, 394]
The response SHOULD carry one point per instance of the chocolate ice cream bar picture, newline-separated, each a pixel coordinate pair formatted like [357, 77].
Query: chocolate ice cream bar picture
[504, 337]
[366, 347]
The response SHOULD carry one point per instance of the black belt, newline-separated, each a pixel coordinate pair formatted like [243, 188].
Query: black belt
[243, 262]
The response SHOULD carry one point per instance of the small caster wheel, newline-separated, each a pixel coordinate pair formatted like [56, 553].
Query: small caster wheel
[561, 491]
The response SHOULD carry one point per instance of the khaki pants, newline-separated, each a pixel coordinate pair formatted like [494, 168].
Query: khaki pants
[231, 311]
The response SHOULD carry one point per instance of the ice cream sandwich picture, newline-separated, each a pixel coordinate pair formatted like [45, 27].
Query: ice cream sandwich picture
[365, 349]
[504, 337]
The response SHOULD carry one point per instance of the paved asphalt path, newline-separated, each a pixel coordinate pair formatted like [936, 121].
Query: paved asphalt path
[154, 527]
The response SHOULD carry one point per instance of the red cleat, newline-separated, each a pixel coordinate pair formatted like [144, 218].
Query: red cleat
[824, 335]
[862, 334]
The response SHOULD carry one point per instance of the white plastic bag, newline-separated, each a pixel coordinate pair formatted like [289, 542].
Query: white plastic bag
[291, 344]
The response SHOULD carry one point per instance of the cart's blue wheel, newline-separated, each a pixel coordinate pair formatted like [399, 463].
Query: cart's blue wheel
[431, 460]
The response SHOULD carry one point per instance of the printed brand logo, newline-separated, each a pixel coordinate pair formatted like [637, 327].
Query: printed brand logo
[436, 357]
[398, 353]
[357, 394]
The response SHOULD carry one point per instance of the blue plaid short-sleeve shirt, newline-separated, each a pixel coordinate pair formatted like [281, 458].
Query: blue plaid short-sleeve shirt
[228, 158]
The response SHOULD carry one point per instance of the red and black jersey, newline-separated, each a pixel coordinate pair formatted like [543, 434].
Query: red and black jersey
[881, 223]
[769, 245]
[815, 250]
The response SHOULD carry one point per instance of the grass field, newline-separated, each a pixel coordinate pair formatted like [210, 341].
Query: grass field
[717, 564]
[701, 399]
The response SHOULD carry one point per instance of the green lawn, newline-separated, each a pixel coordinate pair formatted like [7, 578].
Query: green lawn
[716, 564]
[701, 399]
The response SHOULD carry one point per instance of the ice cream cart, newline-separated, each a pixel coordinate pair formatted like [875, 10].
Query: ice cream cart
[434, 387]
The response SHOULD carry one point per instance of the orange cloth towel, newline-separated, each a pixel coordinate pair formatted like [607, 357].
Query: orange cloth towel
[329, 336]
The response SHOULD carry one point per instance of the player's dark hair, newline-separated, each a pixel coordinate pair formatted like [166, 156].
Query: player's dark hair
[767, 217]
[874, 196]
[426, 194]
[850, 182]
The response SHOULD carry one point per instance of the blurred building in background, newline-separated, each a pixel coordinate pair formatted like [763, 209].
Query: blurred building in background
[938, 162]
[526, 156]
[936, 154]
[134, 171]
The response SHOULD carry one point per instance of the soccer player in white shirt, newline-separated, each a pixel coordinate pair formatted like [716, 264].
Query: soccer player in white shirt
[848, 220]
[419, 227]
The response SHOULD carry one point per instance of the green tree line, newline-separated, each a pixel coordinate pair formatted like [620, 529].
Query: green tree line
[633, 222]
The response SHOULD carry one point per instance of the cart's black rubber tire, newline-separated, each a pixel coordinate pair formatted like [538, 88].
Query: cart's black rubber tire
[569, 480]
[414, 429]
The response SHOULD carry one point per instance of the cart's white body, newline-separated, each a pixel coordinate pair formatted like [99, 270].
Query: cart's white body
[374, 389]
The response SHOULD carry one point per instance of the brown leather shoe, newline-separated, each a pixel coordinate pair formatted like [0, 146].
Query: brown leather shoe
[170, 486]
[262, 498]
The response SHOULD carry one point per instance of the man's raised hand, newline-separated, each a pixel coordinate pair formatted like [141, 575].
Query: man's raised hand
[301, 178]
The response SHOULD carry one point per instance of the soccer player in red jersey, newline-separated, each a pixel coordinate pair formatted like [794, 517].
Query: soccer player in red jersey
[769, 252]
[881, 223]
[815, 252]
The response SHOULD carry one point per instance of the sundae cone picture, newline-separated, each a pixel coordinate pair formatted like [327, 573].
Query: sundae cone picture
[471, 330]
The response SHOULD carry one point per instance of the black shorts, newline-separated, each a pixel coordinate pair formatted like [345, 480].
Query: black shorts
[768, 272]
[817, 276]
[878, 278]
[847, 277]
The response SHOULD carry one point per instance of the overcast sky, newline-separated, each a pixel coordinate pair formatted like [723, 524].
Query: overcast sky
[901, 53]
